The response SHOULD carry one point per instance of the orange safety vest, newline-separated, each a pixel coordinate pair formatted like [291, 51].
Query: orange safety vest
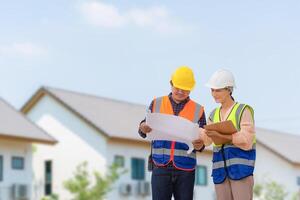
[164, 151]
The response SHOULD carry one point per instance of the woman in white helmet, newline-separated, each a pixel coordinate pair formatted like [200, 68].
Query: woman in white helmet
[233, 160]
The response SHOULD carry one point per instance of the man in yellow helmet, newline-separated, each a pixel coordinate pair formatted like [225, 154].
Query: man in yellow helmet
[174, 169]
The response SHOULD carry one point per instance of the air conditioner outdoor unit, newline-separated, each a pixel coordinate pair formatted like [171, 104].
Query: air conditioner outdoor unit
[19, 192]
[143, 188]
[125, 189]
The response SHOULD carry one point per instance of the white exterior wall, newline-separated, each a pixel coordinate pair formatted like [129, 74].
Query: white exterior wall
[297, 173]
[205, 192]
[271, 166]
[77, 142]
[140, 150]
[9, 149]
[268, 165]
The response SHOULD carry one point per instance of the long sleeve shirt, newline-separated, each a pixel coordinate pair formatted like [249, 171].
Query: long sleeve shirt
[177, 107]
[243, 138]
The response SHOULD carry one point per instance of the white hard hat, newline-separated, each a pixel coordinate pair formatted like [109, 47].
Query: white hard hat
[221, 79]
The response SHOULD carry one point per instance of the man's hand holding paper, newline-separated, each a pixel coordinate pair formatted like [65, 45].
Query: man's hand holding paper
[173, 128]
[198, 144]
[145, 128]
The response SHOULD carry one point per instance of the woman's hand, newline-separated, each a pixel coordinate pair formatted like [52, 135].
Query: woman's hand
[213, 134]
[218, 138]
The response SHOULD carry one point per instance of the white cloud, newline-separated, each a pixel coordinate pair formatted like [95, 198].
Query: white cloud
[101, 14]
[107, 15]
[27, 50]
[156, 18]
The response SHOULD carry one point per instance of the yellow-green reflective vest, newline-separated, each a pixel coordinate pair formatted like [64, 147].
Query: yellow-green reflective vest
[229, 160]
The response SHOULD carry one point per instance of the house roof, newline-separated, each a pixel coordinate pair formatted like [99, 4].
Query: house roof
[284, 144]
[113, 118]
[15, 126]
[119, 119]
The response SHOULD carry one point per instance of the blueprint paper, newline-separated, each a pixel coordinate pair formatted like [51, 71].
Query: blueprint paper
[171, 127]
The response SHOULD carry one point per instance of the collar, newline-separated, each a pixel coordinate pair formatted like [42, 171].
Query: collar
[182, 102]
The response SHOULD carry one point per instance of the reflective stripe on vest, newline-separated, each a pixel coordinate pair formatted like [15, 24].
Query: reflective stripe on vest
[228, 159]
[172, 150]
[239, 108]
[177, 152]
[157, 105]
[197, 113]
[234, 161]
[235, 116]
[216, 149]
[159, 102]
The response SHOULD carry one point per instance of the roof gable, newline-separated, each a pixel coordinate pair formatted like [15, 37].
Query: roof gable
[118, 119]
[15, 126]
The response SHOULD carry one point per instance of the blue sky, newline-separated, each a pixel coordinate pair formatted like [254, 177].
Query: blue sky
[127, 50]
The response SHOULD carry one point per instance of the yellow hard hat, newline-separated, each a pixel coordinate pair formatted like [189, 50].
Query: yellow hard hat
[183, 78]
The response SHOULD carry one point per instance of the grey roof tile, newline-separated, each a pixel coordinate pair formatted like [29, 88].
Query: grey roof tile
[14, 125]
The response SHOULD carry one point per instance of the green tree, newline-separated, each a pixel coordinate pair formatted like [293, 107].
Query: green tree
[296, 196]
[51, 197]
[81, 187]
[269, 190]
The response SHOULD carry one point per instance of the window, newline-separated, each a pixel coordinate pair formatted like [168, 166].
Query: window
[1, 168]
[298, 180]
[137, 169]
[48, 177]
[17, 163]
[119, 160]
[201, 175]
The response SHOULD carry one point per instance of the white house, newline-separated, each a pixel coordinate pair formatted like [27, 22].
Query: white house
[17, 134]
[101, 130]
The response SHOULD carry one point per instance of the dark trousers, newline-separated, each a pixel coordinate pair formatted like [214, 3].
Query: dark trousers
[170, 181]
